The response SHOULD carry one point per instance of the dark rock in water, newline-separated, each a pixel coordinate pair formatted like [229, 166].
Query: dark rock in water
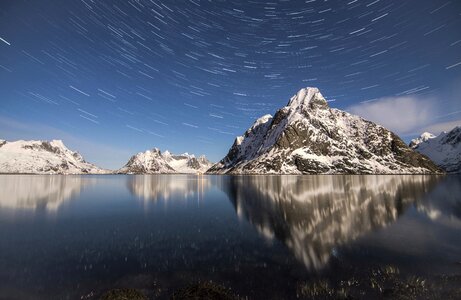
[382, 282]
[309, 137]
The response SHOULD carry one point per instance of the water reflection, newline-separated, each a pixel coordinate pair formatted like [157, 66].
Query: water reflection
[444, 204]
[166, 188]
[314, 214]
[39, 193]
[311, 215]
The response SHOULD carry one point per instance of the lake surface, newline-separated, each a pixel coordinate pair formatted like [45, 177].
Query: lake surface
[75, 237]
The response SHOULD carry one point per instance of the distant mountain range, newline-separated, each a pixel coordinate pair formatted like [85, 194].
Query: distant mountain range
[155, 162]
[304, 137]
[53, 157]
[308, 137]
[444, 150]
[43, 157]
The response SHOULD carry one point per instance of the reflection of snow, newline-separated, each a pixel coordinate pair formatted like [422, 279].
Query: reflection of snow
[38, 192]
[314, 214]
[448, 211]
[165, 187]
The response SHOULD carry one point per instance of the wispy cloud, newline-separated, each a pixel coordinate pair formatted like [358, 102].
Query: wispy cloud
[437, 128]
[413, 114]
[403, 115]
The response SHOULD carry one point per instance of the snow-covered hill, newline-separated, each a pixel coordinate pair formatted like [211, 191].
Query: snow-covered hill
[43, 157]
[155, 162]
[309, 137]
[444, 150]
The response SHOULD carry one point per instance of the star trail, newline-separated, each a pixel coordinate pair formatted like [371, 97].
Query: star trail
[192, 75]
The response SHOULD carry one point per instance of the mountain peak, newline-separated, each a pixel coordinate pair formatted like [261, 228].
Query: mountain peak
[58, 143]
[156, 150]
[444, 150]
[308, 97]
[307, 137]
[427, 135]
[262, 120]
[155, 162]
[422, 138]
[43, 157]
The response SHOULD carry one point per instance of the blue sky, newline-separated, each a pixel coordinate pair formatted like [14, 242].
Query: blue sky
[112, 78]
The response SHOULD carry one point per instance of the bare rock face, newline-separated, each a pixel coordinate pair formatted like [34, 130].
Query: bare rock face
[308, 137]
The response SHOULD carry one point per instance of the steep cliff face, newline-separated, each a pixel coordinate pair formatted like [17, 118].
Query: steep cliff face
[308, 137]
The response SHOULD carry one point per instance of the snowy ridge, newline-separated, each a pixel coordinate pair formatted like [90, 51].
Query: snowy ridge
[423, 138]
[444, 150]
[43, 157]
[155, 162]
[308, 137]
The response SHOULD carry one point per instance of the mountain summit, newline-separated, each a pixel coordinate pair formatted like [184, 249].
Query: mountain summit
[155, 162]
[43, 157]
[444, 149]
[308, 137]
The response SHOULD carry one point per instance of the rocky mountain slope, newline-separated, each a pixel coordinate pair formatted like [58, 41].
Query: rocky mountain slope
[155, 162]
[444, 150]
[43, 157]
[309, 137]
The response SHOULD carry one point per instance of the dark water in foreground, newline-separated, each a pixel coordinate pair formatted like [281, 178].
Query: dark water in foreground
[74, 237]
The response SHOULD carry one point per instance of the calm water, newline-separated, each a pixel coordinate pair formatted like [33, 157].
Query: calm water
[73, 237]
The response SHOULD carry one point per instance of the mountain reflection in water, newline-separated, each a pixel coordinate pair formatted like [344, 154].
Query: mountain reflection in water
[167, 187]
[39, 193]
[312, 215]
[65, 237]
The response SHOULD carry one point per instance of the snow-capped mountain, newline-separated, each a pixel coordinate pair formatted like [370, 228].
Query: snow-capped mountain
[309, 137]
[43, 157]
[155, 162]
[444, 150]
[423, 138]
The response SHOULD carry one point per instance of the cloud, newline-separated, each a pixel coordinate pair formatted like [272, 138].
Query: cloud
[443, 126]
[403, 115]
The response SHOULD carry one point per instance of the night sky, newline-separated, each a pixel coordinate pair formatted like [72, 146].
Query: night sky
[112, 78]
